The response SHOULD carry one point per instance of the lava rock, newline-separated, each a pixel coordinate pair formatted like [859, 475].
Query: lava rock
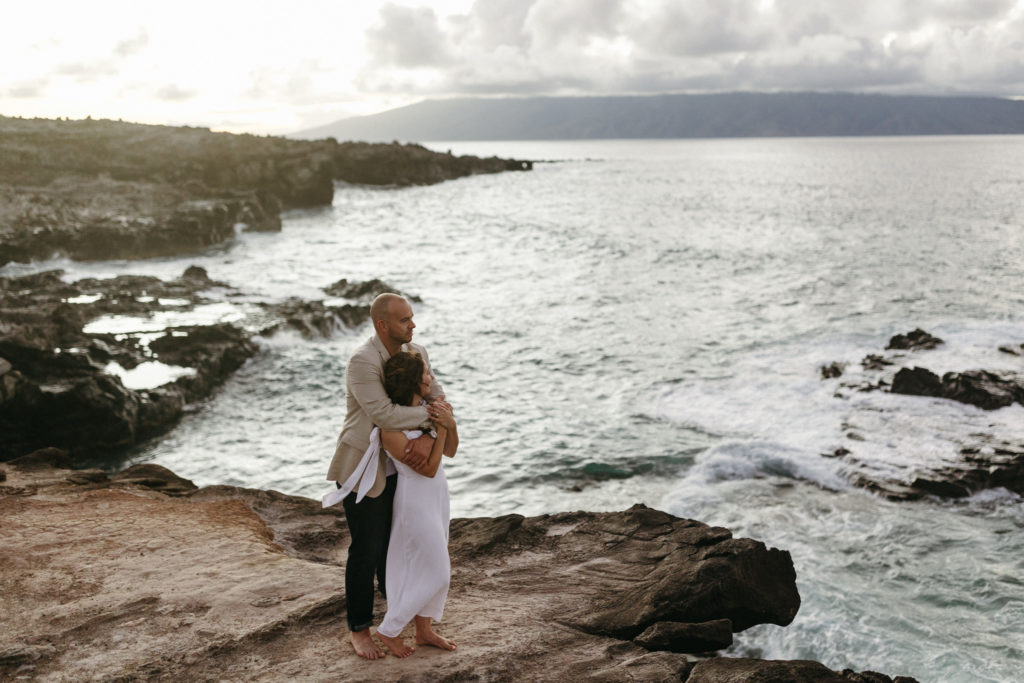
[832, 370]
[677, 637]
[915, 340]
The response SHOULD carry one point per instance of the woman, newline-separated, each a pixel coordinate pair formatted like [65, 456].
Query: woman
[418, 567]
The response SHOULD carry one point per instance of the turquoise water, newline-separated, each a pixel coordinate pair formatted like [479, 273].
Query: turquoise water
[643, 321]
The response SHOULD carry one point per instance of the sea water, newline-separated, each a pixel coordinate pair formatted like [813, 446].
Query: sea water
[644, 321]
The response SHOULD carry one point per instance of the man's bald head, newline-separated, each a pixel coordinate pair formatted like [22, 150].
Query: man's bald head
[392, 320]
[380, 309]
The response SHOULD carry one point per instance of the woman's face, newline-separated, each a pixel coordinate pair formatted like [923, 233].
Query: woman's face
[425, 381]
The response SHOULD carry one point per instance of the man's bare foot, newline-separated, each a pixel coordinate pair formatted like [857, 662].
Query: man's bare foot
[396, 645]
[425, 635]
[364, 645]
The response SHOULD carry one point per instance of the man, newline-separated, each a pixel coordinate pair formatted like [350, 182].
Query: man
[369, 521]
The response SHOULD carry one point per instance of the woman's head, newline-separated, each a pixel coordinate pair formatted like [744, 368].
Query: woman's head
[405, 377]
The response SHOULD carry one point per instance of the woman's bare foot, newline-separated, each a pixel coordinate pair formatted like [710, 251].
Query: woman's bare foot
[396, 645]
[364, 645]
[425, 635]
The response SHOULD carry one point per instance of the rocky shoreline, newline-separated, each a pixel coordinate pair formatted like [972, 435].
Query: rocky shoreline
[986, 462]
[142, 576]
[67, 381]
[98, 189]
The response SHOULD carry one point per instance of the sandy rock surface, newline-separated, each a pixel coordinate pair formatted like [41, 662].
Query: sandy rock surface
[140, 576]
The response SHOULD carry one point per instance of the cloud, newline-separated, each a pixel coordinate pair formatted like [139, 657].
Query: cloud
[408, 37]
[174, 93]
[637, 46]
[131, 46]
[27, 90]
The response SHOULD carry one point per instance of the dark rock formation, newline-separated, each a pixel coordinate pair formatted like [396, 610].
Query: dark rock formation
[396, 164]
[675, 637]
[987, 390]
[916, 340]
[832, 370]
[57, 386]
[723, 670]
[985, 461]
[363, 291]
[314, 319]
[107, 189]
[162, 581]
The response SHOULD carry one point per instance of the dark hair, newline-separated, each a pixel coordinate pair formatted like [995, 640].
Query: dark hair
[403, 373]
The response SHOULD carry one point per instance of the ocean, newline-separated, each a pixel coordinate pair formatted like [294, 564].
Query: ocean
[644, 321]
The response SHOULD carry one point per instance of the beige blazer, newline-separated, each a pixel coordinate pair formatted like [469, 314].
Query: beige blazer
[368, 405]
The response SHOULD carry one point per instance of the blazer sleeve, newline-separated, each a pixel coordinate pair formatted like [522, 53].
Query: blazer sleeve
[366, 382]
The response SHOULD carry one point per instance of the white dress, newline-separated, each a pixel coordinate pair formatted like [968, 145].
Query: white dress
[418, 567]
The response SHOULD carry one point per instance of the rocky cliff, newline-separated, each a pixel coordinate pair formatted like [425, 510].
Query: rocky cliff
[141, 576]
[108, 189]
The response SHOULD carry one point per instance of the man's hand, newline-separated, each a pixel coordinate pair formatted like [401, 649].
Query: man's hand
[417, 451]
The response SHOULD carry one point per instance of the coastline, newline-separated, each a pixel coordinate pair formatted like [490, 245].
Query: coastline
[142, 576]
[98, 189]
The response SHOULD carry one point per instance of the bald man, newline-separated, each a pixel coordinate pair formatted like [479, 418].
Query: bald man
[369, 521]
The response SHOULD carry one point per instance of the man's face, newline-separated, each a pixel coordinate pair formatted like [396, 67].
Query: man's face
[399, 324]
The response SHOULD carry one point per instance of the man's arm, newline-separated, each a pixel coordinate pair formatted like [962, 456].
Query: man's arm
[366, 383]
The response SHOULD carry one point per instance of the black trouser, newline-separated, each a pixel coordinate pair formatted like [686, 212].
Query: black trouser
[369, 525]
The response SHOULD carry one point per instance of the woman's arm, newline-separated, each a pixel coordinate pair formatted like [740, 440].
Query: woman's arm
[443, 417]
[451, 444]
[394, 443]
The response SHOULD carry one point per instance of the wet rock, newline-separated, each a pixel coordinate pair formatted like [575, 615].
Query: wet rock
[739, 670]
[917, 382]
[916, 340]
[832, 370]
[314, 319]
[1012, 350]
[875, 362]
[363, 291]
[56, 389]
[677, 637]
[987, 390]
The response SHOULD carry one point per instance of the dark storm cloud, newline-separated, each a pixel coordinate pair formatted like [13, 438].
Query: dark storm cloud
[602, 46]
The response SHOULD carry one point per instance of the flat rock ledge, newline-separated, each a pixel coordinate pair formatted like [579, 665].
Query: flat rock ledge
[142, 576]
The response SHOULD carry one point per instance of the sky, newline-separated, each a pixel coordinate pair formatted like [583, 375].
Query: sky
[275, 68]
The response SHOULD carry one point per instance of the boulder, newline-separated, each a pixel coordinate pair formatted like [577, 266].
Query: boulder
[675, 637]
[987, 390]
[915, 340]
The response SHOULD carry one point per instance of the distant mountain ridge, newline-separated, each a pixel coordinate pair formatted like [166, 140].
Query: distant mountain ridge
[682, 116]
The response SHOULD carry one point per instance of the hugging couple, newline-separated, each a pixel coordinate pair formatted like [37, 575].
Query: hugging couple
[389, 477]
